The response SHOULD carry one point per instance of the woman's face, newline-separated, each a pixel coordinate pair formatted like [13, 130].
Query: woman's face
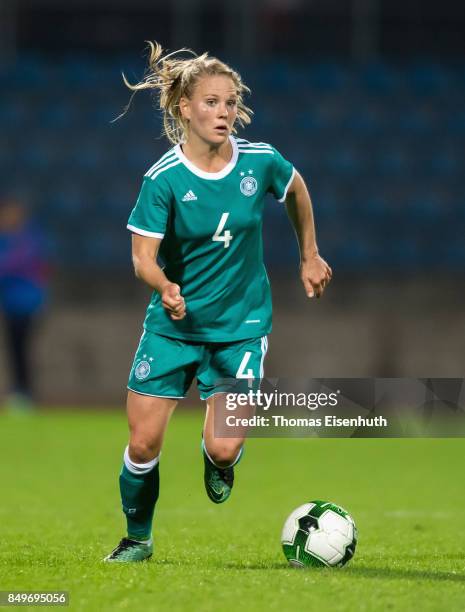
[212, 109]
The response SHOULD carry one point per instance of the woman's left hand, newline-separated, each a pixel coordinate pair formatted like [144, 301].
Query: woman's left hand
[315, 274]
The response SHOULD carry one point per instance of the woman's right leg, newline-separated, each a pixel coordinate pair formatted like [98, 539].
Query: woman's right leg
[148, 418]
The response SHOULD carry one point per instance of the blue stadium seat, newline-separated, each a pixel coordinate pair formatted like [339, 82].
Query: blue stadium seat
[379, 79]
[429, 79]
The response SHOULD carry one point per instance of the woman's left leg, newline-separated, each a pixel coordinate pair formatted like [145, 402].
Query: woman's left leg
[220, 454]
[223, 452]
[225, 361]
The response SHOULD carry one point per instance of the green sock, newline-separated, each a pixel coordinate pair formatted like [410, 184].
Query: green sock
[139, 494]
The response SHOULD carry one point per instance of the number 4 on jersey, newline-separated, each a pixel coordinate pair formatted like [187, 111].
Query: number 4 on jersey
[226, 237]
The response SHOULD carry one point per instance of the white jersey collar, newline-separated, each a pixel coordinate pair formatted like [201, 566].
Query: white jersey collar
[211, 176]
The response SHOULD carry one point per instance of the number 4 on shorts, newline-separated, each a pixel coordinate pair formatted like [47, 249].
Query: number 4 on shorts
[241, 373]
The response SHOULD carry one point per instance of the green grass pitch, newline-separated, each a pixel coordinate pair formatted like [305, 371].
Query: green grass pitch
[59, 515]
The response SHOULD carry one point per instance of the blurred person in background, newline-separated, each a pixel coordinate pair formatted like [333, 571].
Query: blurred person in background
[23, 287]
[201, 206]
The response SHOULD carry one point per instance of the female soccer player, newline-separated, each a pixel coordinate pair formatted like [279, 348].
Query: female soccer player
[200, 208]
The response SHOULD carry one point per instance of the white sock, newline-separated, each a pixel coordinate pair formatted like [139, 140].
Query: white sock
[139, 468]
[150, 541]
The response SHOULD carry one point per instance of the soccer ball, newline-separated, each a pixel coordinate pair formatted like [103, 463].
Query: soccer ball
[319, 534]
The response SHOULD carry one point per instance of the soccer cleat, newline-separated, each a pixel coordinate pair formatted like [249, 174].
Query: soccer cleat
[129, 551]
[218, 481]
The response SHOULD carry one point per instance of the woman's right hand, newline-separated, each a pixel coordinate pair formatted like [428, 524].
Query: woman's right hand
[173, 302]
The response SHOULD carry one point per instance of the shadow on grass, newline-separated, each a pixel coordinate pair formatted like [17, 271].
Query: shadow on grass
[385, 573]
[377, 573]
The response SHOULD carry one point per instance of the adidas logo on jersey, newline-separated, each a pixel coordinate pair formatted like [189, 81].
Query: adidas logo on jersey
[189, 196]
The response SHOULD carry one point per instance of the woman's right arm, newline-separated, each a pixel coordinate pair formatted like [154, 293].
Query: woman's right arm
[144, 259]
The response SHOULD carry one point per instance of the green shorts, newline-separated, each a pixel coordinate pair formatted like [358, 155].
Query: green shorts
[166, 367]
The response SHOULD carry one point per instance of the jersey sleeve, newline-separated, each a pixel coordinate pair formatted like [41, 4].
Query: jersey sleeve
[149, 217]
[281, 176]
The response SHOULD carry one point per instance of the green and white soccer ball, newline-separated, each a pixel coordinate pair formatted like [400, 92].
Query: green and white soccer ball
[319, 534]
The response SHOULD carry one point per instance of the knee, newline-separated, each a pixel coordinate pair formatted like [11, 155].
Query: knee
[224, 453]
[142, 451]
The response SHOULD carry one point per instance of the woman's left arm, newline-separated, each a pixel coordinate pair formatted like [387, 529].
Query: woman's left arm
[314, 271]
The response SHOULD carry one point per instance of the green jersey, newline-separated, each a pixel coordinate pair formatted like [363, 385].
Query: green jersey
[211, 230]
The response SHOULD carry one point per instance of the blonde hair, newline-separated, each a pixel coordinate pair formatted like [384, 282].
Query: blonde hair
[173, 78]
